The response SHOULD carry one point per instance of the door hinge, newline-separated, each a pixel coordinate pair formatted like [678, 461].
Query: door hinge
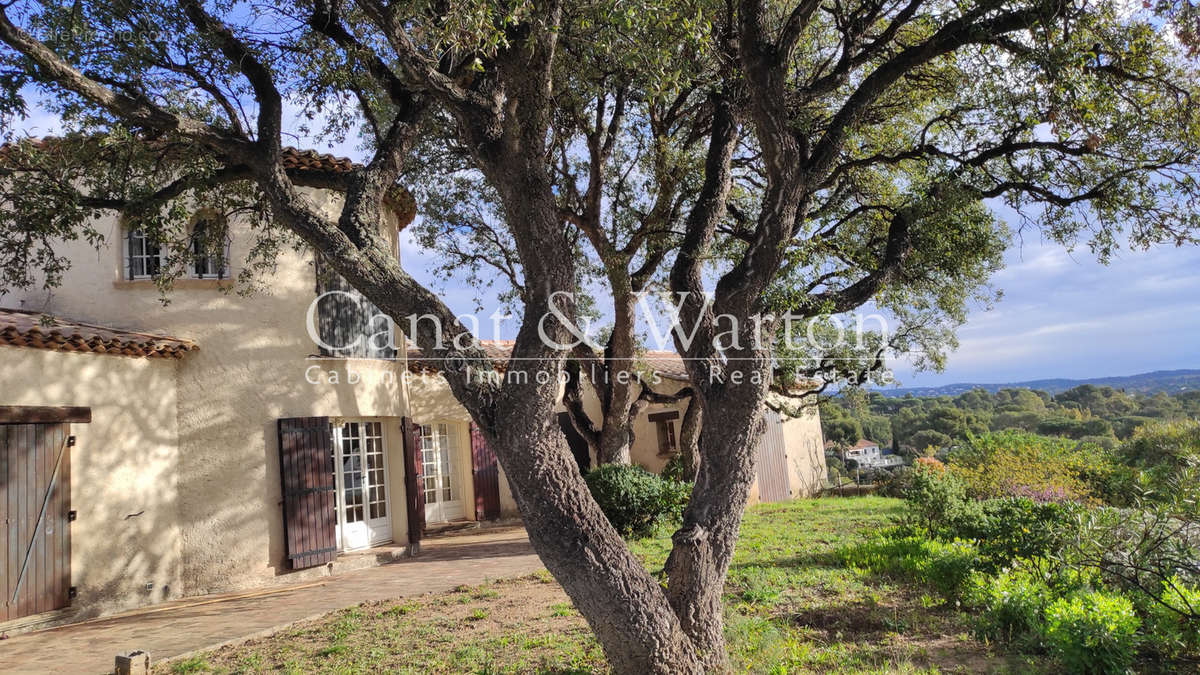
[70, 441]
[72, 515]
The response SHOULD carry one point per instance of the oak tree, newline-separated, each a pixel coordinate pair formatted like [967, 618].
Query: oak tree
[795, 159]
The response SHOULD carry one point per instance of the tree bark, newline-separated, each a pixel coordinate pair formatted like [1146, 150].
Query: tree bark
[689, 438]
[704, 545]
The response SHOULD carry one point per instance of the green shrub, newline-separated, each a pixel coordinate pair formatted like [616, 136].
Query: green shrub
[896, 484]
[944, 566]
[1010, 528]
[1009, 606]
[675, 470]
[1165, 451]
[1013, 463]
[636, 501]
[1093, 632]
[934, 499]
[1173, 622]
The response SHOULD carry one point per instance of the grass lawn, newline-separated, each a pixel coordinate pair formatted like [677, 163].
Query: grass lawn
[790, 607]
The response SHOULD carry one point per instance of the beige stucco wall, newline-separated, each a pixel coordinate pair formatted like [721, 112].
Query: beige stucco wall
[126, 545]
[252, 368]
[805, 445]
[431, 402]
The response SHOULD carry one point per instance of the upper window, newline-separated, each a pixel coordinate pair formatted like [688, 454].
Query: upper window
[207, 251]
[143, 255]
[209, 248]
[665, 421]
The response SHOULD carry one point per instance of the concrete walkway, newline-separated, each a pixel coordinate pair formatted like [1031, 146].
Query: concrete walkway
[178, 628]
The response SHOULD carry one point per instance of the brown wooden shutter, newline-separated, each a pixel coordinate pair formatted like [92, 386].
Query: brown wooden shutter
[309, 491]
[414, 488]
[35, 496]
[486, 473]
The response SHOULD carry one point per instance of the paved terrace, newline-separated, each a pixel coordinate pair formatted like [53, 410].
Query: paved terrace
[174, 629]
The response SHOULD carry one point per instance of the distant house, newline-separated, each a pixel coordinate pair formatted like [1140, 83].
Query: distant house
[867, 455]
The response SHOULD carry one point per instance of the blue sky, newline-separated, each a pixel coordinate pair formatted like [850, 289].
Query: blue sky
[1062, 315]
[1065, 315]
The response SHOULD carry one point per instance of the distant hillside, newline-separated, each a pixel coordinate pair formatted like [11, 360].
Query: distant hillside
[1169, 381]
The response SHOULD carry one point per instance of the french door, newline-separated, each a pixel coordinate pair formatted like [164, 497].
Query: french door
[439, 456]
[360, 469]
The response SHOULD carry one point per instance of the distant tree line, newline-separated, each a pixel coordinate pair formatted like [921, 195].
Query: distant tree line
[915, 426]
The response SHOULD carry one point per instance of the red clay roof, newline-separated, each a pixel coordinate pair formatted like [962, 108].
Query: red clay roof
[311, 160]
[20, 328]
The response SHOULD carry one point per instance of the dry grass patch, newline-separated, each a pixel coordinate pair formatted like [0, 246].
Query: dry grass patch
[517, 625]
[791, 607]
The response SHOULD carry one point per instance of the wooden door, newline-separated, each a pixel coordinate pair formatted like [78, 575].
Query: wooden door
[35, 553]
[773, 484]
[485, 473]
[309, 491]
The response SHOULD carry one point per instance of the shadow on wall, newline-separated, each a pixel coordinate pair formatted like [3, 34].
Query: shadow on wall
[124, 470]
[812, 472]
[232, 392]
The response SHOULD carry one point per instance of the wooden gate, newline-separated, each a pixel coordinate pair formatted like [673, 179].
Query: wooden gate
[486, 474]
[35, 493]
[772, 460]
[309, 491]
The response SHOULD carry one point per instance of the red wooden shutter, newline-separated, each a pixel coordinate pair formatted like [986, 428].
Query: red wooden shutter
[414, 487]
[35, 496]
[309, 491]
[487, 477]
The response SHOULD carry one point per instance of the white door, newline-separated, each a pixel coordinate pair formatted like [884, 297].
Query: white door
[360, 462]
[439, 455]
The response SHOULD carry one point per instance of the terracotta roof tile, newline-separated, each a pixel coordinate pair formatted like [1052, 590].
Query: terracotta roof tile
[20, 328]
[311, 160]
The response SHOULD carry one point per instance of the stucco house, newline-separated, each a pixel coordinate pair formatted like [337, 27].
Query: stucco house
[153, 451]
[867, 454]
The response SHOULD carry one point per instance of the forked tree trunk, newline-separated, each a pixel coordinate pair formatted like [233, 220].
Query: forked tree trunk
[704, 545]
[624, 605]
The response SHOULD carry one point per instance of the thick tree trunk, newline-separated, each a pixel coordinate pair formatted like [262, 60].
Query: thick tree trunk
[689, 438]
[619, 391]
[704, 545]
[615, 445]
[622, 603]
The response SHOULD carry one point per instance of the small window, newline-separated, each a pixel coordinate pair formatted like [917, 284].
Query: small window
[209, 248]
[143, 255]
[665, 421]
[666, 439]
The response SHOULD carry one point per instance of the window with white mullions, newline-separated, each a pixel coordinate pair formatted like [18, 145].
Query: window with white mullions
[439, 457]
[360, 461]
[144, 258]
[209, 247]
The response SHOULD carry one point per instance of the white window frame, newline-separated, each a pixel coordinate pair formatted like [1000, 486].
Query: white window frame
[209, 260]
[136, 234]
[145, 244]
[368, 530]
[450, 479]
